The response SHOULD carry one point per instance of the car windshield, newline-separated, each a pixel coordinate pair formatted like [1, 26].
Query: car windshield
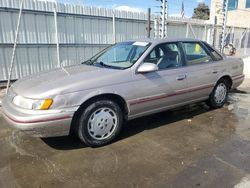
[120, 56]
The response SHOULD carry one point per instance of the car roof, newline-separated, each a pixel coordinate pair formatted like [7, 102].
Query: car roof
[162, 40]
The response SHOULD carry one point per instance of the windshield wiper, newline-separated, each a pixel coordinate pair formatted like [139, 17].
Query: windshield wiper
[107, 66]
[87, 62]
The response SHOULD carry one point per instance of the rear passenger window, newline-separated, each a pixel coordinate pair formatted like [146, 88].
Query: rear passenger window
[216, 55]
[195, 53]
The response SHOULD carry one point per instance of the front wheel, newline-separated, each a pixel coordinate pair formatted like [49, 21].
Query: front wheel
[99, 123]
[218, 97]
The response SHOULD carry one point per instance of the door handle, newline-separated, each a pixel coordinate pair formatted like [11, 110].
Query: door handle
[181, 77]
[215, 72]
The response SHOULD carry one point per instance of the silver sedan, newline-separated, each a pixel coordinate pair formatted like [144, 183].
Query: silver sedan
[125, 81]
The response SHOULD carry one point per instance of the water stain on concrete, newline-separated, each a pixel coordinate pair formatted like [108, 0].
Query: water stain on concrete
[192, 146]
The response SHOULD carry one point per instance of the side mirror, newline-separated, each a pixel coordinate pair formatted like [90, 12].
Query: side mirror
[147, 67]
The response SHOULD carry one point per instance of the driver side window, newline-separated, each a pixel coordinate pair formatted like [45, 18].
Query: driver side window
[166, 56]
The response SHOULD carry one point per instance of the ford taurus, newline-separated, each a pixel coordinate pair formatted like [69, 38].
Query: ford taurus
[124, 81]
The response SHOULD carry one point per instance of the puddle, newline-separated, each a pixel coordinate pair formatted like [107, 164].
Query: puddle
[239, 104]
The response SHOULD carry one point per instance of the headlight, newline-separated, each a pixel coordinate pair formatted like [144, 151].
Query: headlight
[42, 104]
[32, 103]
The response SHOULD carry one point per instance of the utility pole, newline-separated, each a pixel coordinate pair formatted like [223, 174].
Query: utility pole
[224, 24]
[164, 14]
[215, 31]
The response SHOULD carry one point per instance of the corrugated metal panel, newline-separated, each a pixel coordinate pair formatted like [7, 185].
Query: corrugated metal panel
[6, 24]
[75, 55]
[31, 60]
[82, 32]
[176, 30]
[77, 25]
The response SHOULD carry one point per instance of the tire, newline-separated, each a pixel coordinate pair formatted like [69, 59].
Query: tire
[219, 95]
[99, 123]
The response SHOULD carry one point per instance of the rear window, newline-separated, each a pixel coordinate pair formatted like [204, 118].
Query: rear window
[195, 53]
[216, 55]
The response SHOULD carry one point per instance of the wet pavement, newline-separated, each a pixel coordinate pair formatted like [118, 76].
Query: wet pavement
[188, 147]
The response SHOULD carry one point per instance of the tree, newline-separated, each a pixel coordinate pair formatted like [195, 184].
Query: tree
[201, 12]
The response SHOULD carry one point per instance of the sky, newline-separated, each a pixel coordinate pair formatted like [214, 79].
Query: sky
[142, 5]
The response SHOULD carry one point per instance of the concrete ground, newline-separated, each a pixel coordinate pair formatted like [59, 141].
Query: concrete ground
[188, 147]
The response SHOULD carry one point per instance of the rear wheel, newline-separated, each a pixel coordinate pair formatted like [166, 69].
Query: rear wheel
[99, 123]
[218, 97]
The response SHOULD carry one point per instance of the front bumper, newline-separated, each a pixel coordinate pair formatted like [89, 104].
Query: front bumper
[38, 123]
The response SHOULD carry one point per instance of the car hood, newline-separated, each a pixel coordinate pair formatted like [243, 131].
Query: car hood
[66, 80]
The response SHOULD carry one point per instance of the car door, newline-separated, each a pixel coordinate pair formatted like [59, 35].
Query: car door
[218, 67]
[199, 70]
[155, 91]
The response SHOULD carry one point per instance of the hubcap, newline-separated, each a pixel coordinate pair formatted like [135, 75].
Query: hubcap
[220, 93]
[102, 123]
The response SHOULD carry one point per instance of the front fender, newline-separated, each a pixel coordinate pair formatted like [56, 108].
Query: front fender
[80, 97]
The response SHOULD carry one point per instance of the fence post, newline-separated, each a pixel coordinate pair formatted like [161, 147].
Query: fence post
[232, 36]
[208, 34]
[114, 28]
[246, 41]
[156, 28]
[163, 19]
[14, 48]
[149, 23]
[214, 31]
[224, 24]
[56, 36]
[241, 38]
[205, 33]
[187, 30]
